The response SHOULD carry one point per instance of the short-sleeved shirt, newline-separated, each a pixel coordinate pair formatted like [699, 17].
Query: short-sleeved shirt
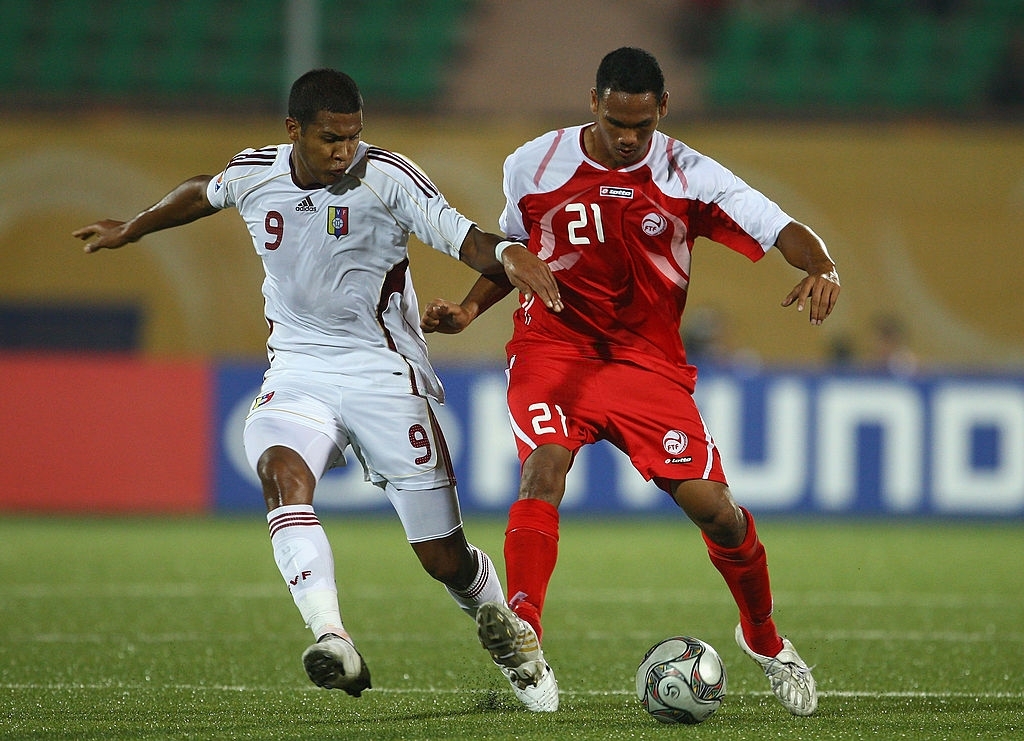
[620, 240]
[611, 364]
[338, 294]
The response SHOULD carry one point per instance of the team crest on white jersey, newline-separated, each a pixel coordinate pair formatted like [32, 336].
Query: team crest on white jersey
[653, 224]
[261, 400]
[337, 221]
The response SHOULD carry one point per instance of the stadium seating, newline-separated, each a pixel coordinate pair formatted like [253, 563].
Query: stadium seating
[189, 52]
[889, 56]
[886, 58]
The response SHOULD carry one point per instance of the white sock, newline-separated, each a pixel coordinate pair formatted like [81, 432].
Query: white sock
[485, 587]
[304, 557]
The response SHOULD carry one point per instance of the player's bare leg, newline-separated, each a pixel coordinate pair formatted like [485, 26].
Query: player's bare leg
[466, 572]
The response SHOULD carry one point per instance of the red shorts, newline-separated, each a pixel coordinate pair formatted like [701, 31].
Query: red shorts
[573, 401]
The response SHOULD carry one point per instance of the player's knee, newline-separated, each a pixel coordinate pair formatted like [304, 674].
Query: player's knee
[711, 507]
[447, 572]
[727, 526]
[453, 567]
[285, 478]
[544, 474]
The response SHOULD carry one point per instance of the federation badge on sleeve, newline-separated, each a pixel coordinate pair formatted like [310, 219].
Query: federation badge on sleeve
[337, 221]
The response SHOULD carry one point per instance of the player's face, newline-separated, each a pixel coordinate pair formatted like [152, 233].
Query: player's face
[624, 125]
[324, 149]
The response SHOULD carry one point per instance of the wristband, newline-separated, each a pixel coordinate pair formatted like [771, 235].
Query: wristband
[500, 248]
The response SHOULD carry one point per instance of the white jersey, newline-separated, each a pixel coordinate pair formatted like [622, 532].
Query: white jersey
[338, 293]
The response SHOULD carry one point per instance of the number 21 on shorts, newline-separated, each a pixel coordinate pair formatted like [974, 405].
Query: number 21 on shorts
[543, 418]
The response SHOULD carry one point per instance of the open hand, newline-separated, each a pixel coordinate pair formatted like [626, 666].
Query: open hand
[822, 290]
[107, 233]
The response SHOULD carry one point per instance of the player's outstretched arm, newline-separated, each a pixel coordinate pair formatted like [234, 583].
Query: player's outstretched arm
[524, 270]
[184, 204]
[805, 250]
[448, 317]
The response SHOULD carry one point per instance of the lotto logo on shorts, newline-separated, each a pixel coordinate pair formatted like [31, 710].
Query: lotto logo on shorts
[261, 400]
[337, 221]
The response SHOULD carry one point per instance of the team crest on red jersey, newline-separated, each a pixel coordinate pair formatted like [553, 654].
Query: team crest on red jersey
[653, 224]
[675, 442]
[337, 221]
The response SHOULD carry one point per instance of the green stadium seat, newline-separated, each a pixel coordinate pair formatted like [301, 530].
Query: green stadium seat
[180, 52]
[970, 61]
[249, 50]
[856, 48]
[736, 59]
[187, 51]
[123, 59]
[910, 62]
[14, 44]
[798, 70]
[63, 54]
[395, 49]
[887, 57]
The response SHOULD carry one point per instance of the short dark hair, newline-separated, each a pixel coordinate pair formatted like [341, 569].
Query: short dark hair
[323, 90]
[630, 70]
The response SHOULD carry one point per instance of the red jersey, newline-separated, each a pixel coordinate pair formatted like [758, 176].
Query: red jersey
[619, 242]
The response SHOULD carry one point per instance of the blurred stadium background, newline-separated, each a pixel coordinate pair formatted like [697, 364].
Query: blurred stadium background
[894, 127]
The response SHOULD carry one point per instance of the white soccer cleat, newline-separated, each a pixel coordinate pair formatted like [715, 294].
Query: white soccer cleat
[513, 646]
[789, 676]
[334, 664]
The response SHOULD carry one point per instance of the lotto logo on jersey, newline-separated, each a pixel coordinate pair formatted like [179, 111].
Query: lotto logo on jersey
[337, 221]
[612, 191]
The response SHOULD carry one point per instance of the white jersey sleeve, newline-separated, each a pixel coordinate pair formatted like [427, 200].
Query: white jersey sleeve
[416, 201]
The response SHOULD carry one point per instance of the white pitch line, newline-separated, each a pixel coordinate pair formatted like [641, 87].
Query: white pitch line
[868, 599]
[609, 595]
[852, 636]
[855, 694]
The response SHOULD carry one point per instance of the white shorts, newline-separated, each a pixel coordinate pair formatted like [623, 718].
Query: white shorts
[396, 437]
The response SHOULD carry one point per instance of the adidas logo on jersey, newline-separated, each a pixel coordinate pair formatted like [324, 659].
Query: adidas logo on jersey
[306, 204]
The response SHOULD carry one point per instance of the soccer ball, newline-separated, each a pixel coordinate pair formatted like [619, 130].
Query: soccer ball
[681, 680]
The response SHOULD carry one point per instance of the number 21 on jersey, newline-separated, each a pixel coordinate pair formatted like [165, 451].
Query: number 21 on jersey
[583, 222]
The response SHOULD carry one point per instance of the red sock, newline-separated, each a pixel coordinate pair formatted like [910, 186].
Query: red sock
[531, 550]
[745, 569]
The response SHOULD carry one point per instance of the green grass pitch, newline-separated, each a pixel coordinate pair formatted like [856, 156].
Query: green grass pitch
[138, 628]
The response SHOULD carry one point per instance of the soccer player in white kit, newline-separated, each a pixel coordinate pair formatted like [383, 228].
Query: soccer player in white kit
[330, 216]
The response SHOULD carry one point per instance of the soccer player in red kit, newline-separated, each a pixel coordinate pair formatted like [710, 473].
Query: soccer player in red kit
[613, 207]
